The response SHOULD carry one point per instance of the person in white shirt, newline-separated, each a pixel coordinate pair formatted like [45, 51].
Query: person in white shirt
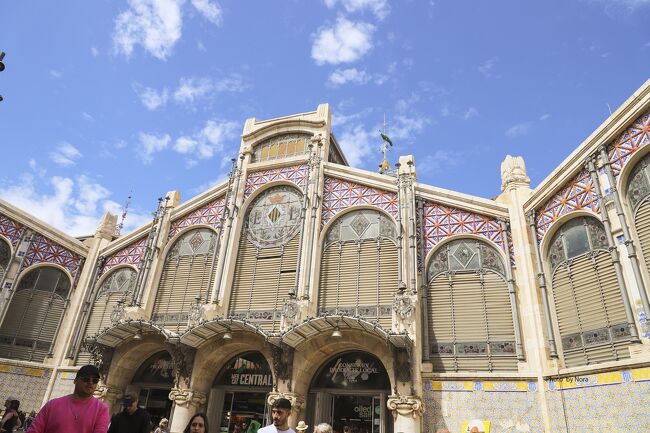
[280, 412]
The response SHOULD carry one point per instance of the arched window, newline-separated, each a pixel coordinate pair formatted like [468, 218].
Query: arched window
[5, 257]
[359, 268]
[267, 258]
[588, 305]
[34, 313]
[638, 195]
[116, 287]
[470, 315]
[187, 275]
[281, 146]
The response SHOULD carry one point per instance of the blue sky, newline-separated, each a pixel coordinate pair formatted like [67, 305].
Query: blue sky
[102, 98]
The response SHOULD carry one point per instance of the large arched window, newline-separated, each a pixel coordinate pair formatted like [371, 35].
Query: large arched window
[187, 275]
[470, 315]
[281, 146]
[34, 313]
[268, 256]
[359, 268]
[588, 306]
[5, 257]
[116, 287]
[638, 195]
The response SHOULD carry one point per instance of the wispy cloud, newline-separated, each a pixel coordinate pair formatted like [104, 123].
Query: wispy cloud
[518, 130]
[544, 116]
[149, 144]
[87, 117]
[346, 42]
[470, 113]
[208, 141]
[614, 6]
[73, 205]
[210, 10]
[152, 99]
[380, 8]
[352, 75]
[55, 74]
[94, 51]
[192, 89]
[439, 162]
[487, 67]
[209, 184]
[65, 155]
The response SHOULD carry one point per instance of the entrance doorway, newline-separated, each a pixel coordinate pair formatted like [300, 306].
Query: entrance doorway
[153, 382]
[350, 391]
[237, 401]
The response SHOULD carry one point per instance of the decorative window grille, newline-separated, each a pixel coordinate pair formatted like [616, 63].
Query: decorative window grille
[116, 287]
[34, 313]
[359, 267]
[470, 315]
[638, 195]
[186, 278]
[281, 147]
[5, 257]
[588, 306]
[267, 258]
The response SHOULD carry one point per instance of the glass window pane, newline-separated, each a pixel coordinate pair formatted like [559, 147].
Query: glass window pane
[576, 241]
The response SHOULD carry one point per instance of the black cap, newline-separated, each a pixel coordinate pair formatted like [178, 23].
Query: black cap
[88, 371]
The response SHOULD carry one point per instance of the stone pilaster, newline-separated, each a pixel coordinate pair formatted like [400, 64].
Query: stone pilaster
[188, 402]
[407, 411]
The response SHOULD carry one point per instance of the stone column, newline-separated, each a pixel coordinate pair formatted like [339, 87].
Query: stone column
[407, 412]
[187, 402]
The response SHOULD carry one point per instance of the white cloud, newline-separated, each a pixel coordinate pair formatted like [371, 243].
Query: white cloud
[205, 143]
[357, 144]
[352, 75]
[65, 155]
[380, 8]
[439, 161]
[74, 206]
[211, 11]
[630, 5]
[55, 74]
[191, 89]
[487, 67]
[94, 51]
[185, 145]
[154, 24]
[201, 47]
[153, 99]
[405, 126]
[470, 113]
[209, 184]
[87, 117]
[150, 144]
[518, 130]
[347, 42]
[544, 116]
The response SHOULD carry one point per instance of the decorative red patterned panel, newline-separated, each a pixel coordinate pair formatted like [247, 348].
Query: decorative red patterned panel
[339, 194]
[11, 229]
[632, 139]
[43, 250]
[296, 174]
[210, 214]
[129, 255]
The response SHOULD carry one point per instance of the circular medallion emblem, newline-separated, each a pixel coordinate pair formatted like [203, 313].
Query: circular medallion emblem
[274, 217]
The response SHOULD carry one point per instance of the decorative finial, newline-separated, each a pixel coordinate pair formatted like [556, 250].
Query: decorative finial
[385, 165]
[125, 211]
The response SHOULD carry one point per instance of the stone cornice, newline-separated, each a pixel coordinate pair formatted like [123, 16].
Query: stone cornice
[44, 229]
[460, 200]
[200, 200]
[614, 125]
[363, 177]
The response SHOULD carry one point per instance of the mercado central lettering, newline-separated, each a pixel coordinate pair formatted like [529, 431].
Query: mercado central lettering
[365, 298]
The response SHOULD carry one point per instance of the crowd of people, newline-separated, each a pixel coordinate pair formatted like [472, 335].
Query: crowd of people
[80, 412]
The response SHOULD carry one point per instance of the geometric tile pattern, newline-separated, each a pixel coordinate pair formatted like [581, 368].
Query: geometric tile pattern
[509, 409]
[296, 174]
[132, 254]
[28, 385]
[578, 194]
[621, 407]
[63, 384]
[43, 250]
[441, 222]
[210, 214]
[634, 137]
[339, 194]
[11, 229]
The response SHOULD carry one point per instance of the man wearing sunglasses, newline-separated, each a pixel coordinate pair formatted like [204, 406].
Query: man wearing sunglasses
[78, 412]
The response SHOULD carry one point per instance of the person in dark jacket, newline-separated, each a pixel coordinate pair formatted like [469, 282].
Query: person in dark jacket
[132, 419]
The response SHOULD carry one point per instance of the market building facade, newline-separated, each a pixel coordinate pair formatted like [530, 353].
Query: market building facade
[366, 299]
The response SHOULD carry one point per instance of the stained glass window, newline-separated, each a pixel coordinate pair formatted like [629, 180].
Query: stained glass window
[359, 225]
[274, 217]
[638, 187]
[120, 281]
[465, 255]
[5, 255]
[281, 147]
[575, 238]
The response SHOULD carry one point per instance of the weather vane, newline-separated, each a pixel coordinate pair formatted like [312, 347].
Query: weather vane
[386, 144]
[125, 211]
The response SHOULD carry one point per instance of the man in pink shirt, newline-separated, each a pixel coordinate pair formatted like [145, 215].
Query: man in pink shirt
[78, 412]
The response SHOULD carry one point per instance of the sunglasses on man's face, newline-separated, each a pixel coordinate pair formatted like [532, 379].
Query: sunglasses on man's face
[90, 379]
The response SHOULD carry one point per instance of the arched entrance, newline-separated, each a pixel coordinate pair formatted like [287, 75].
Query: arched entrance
[239, 392]
[351, 389]
[153, 381]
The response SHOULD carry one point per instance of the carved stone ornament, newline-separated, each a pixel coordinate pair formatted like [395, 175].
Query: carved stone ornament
[187, 397]
[107, 394]
[513, 170]
[282, 361]
[118, 314]
[195, 315]
[404, 305]
[182, 360]
[297, 401]
[402, 362]
[100, 356]
[405, 405]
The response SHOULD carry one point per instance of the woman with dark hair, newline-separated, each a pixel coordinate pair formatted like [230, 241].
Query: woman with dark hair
[198, 424]
[10, 420]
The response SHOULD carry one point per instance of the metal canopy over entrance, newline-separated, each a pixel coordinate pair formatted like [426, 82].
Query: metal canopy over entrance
[312, 327]
[123, 331]
[198, 335]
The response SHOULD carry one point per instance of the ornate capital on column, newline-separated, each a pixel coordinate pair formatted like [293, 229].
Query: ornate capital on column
[513, 172]
[107, 393]
[297, 401]
[404, 304]
[100, 355]
[182, 360]
[405, 405]
[282, 361]
[187, 397]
